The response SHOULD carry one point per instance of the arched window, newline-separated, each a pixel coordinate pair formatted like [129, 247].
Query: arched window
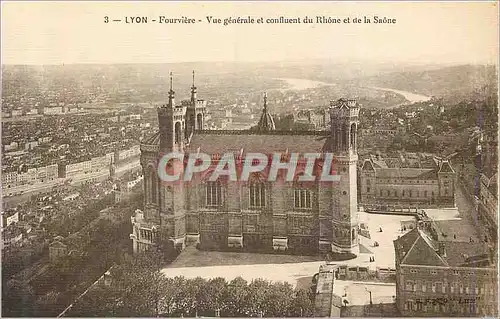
[353, 135]
[177, 132]
[302, 198]
[213, 194]
[302, 193]
[257, 195]
[153, 188]
[344, 137]
[199, 121]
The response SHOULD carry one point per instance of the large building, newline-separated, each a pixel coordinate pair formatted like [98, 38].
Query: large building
[392, 188]
[438, 278]
[255, 215]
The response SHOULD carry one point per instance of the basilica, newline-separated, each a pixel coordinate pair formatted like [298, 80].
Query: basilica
[258, 214]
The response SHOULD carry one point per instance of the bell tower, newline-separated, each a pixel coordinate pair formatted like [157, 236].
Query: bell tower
[171, 123]
[344, 139]
[195, 114]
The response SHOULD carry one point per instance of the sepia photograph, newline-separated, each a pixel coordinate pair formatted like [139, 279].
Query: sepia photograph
[249, 159]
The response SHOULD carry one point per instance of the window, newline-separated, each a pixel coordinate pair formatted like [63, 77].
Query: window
[424, 287]
[425, 193]
[403, 195]
[452, 288]
[368, 189]
[302, 198]
[381, 194]
[461, 289]
[443, 288]
[213, 194]
[257, 195]
[467, 289]
[476, 290]
[419, 305]
[433, 287]
[409, 286]
[433, 272]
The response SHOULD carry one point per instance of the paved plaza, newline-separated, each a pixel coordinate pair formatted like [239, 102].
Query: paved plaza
[281, 268]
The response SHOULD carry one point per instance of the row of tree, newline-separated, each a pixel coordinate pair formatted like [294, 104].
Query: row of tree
[138, 287]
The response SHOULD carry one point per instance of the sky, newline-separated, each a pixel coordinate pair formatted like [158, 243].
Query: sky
[75, 32]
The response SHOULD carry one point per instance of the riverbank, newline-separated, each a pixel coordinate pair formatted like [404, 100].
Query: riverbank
[304, 84]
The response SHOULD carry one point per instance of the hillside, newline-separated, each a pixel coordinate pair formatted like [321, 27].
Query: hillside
[454, 83]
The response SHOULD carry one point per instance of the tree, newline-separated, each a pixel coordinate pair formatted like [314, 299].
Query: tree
[17, 299]
[137, 289]
[279, 299]
[302, 304]
[238, 296]
[257, 297]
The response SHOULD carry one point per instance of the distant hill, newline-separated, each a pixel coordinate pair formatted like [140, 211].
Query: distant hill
[453, 81]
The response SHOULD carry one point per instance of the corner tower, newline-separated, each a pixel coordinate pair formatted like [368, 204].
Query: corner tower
[344, 139]
[171, 121]
[195, 114]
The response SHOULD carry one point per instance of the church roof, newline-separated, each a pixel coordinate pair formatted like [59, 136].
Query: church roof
[218, 142]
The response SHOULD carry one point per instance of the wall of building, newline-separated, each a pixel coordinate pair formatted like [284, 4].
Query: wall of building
[446, 291]
[404, 192]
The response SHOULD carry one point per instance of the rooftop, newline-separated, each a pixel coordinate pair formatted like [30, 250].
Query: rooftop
[417, 248]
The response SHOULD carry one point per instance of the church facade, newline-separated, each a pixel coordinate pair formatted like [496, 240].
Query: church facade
[255, 215]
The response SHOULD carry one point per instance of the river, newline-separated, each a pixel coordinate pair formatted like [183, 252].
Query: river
[303, 84]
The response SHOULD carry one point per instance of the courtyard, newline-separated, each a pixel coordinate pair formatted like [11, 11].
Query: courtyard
[296, 270]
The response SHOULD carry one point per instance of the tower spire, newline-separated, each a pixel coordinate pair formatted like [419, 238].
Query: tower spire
[265, 101]
[266, 122]
[171, 93]
[193, 91]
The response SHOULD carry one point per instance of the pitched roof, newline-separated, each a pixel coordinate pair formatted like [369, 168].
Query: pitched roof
[266, 122]
[218, 142]
[462, 253]
[367, 166]
[445, 167]
[417, 248]
[153, 139]
[423, 252]
[403, 244]
[423, 173]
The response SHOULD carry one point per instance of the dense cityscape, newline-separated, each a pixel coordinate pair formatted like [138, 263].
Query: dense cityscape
[72, 182]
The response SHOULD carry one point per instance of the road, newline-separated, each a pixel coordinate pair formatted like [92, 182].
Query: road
[15, 195]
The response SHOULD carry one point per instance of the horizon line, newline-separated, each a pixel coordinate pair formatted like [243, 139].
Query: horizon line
[305, 61]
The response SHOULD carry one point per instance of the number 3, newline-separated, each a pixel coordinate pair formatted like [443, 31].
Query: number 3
[106, 19]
